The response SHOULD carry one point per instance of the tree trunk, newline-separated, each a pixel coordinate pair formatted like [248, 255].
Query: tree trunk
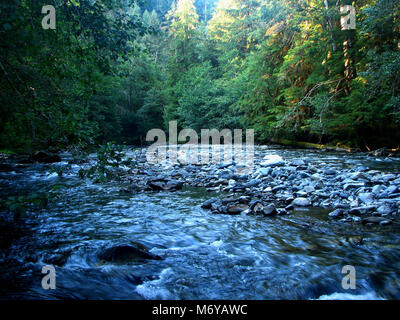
[330, 25]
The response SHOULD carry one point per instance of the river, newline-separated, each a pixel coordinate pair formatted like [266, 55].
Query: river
[204, 255]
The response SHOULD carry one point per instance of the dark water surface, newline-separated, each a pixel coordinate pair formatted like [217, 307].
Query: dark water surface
[205, 256]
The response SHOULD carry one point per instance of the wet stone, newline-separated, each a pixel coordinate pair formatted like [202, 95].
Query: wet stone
[270, 210]
[301, 202]
[45, 157]
[237, 209]
[126, 254]
[337, 214]
[376, 220]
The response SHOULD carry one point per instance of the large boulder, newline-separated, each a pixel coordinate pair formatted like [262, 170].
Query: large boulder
[45, 157]
[127, 254]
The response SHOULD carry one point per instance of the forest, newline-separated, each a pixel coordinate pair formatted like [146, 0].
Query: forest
[112, 70]
[95, 206]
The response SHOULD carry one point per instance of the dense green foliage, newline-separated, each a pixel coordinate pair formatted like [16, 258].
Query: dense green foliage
[65, 86]
[110, 159]
[112, 70]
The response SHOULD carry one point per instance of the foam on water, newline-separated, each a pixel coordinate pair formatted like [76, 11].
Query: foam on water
[155, 290]
[349, 296]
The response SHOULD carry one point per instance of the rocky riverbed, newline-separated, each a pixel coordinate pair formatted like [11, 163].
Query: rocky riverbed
[276, 186]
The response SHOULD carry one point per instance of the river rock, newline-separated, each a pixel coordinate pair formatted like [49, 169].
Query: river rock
[353, 185]
[169, 185]
[301, 202]
[337, 214]
[388, 177]
[256, 206]
[217, 206]
[237, 209]
[357, 211]
[376, 220]
[208, 204]
[281, 211]
[309, 189]
[45, 157]
[253, 183]
[356, 240]
[277, 188]
[57, 259]
[272, 161]
[264, 172]
[228, 201]
[378, 189]
[330, 172]
[126, 254]
[389, 191]
[359, 176]
[133, 188]
[366, 197]
[270, 210]
[225, 174]
[244, 199]
[298, 163]
[225, 165]
[384, 210]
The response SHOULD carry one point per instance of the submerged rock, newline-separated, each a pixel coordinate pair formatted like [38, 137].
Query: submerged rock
[126, 254]
[376, 220]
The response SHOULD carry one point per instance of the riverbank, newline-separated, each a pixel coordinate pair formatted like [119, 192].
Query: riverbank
[380, 152]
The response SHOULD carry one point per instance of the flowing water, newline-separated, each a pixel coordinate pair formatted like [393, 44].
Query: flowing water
[205, 256]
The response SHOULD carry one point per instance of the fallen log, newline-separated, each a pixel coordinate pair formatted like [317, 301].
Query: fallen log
[308, 145]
